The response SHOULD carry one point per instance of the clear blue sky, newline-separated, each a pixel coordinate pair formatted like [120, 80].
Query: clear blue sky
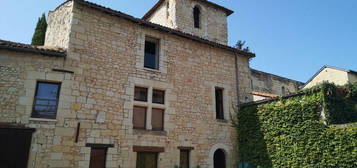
[292, 38]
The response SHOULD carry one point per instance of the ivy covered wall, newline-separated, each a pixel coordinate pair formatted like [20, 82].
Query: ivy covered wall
[292, 132]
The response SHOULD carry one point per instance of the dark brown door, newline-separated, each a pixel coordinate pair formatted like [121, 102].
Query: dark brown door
[146, 160]
[219, 159]
[15, 146]
[98, 157]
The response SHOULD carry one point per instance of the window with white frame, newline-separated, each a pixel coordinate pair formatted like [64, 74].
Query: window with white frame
[149, 108]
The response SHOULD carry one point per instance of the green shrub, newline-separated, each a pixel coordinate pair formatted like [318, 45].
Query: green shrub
[290, 132]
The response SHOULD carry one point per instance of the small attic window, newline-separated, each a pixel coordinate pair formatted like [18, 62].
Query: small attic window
[196, 16]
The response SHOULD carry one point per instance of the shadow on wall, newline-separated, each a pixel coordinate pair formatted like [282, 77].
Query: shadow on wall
[250, 134]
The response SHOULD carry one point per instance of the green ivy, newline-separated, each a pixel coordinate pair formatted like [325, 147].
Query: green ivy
[290, 132]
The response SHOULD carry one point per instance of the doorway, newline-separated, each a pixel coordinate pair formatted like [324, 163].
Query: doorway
[15, 147]
[219, 159]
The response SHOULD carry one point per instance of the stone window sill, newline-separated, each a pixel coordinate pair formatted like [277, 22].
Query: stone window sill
[150, 132]
[152, 70]
[42, 119]
[222, 120]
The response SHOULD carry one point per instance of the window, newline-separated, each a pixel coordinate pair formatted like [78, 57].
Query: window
[139, 117]
[158, 96]
[184, 158]
[46, 100]
[151, 56]
[98, 156]
[196, 16]
[152, 104]
[157, 119]
[141, 94]
[283, 90]
[219, 103]
[146, 160]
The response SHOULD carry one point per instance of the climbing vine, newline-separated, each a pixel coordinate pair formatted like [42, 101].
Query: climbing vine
[291, 132]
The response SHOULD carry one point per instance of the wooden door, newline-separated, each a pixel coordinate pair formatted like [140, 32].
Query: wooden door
[98, 157]
[15, 147]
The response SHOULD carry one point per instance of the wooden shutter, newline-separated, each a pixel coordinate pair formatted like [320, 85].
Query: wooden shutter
[157, 120]
[139, 117]
[98, 157]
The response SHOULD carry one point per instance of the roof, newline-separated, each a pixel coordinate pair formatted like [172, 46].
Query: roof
[158, 27]
[265, 94]
[332, 67]
[20, 47]
[280, 77]
[159, 3]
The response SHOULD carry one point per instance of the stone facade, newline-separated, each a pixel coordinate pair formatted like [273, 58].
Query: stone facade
[105, 53]
[265, 85]
[334, 75]
[178, 14]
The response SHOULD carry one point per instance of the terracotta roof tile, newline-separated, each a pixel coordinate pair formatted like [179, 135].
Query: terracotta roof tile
[44, 50]
[265, 94]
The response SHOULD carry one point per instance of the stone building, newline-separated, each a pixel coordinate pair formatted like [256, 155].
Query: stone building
[266, 86]
[111, 90]
[338, 76]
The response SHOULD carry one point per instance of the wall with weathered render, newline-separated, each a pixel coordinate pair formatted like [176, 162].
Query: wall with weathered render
[330, 75]
[59, 26]
[165, 14]
[272, 84]
[352, 77]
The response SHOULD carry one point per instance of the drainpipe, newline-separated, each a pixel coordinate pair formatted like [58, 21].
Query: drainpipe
[237, 81]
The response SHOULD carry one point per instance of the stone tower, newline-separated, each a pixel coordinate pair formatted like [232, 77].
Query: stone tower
[197, 17]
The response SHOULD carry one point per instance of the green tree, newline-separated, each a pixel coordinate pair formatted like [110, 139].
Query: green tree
[40, 31]
[240, 45]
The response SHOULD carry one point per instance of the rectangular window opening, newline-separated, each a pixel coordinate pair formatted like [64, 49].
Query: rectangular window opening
[146, 160]
[158, 96]
[141, 94]
[98, 157]
[157, 119]
[151, 56]
[219, 103]
[139, 117]
[45, 102]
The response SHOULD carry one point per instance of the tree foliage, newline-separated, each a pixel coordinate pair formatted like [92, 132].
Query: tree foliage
[40, 31]
[240, 45]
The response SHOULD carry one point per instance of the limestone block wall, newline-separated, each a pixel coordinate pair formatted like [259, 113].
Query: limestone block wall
[213, 21]
[52, 143]
[105, 54]
[112, 57]
[59, 26]
[272, 84]
[178, 14]
[244, 80]
[331, 75]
